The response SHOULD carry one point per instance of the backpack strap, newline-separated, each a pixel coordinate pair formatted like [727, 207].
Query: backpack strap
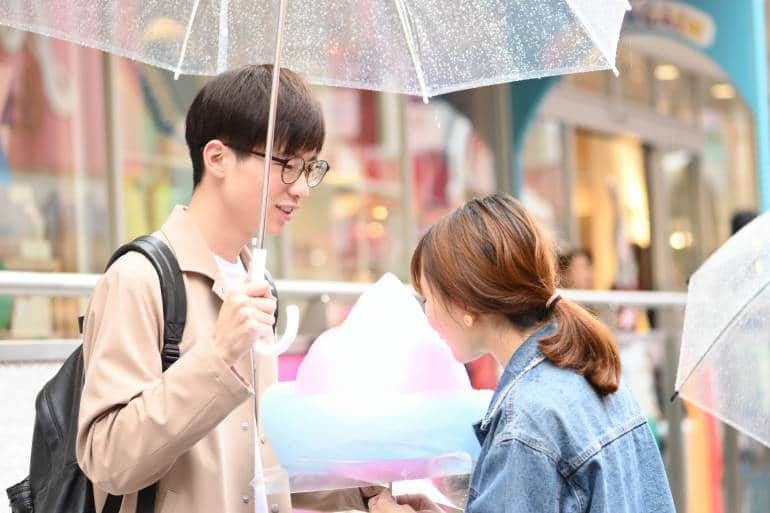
[172, 291]
[171, 287]
[145, 502]
[274, 291]
[112, 504]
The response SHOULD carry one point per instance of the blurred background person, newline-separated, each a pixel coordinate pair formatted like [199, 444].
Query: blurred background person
[576, 269]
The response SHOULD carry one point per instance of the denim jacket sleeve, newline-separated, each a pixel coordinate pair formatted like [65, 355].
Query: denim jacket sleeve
[517, 477]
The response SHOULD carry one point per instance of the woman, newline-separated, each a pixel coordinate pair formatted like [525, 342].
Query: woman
[562, 433]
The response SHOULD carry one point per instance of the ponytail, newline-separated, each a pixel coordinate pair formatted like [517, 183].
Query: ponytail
[583, 344]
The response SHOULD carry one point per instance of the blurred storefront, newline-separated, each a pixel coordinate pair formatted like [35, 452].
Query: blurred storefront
[657, 159]
[52, 172]
[93, 154]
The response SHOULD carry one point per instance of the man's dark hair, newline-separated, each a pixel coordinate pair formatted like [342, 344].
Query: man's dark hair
[234, 107]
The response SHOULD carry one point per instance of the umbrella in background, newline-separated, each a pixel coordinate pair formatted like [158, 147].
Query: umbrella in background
[724, 364]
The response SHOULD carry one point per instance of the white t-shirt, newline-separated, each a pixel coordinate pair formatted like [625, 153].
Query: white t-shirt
[232, 272]
[235, 274]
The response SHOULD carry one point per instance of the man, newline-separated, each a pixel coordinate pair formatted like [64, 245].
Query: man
[190, 428]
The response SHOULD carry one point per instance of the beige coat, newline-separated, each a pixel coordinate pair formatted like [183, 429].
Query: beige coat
[190, 428]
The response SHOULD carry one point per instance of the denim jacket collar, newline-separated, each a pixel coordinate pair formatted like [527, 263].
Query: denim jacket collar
[526, 357]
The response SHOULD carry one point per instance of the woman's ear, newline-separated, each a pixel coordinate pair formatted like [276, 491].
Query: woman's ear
[215, 158]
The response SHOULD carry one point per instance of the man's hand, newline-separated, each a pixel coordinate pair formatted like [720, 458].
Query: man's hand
[386, 503]
[245, 316]
[367, 492]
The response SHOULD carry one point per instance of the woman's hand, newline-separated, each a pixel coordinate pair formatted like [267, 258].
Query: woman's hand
[386, 503]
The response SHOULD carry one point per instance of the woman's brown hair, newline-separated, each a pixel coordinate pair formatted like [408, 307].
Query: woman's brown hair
[490, 256]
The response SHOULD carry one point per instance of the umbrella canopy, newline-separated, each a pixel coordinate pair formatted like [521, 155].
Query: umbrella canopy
[724, 365]
[423, 48]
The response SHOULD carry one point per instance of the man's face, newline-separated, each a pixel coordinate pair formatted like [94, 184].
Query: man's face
[243, 190]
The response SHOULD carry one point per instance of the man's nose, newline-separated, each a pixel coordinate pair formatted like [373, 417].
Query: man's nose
[300, 188]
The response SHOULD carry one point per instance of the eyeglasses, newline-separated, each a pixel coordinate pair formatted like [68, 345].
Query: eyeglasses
[292, 169]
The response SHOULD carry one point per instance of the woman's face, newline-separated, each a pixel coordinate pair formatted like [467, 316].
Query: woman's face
[447, 320]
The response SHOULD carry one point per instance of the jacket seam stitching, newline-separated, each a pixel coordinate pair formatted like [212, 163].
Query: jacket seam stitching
[596, 447]
[537, 360]
[533, 444]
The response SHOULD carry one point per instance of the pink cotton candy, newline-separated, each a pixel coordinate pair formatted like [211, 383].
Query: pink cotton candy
[384, 347]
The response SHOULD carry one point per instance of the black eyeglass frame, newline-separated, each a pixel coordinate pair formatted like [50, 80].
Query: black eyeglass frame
[306, 167]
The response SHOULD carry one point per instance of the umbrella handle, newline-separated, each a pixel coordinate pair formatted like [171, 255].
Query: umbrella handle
[286, 340]
[282, 344]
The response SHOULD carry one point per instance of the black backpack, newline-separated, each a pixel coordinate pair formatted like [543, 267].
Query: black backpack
[55, 483]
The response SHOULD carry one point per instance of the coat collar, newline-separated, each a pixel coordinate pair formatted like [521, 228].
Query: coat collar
[524, 359]
[192, 251]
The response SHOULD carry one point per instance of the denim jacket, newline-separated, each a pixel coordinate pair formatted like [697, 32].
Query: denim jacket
[550, 443]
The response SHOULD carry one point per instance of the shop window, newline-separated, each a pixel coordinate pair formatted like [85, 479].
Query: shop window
[595, 81]
[682, 234]
[450, 161]
[673, 92]
[545, 193]
[635, 77]
[52, 174]
[155, 162]
[611, 206]
[728, 158]
[362, 222]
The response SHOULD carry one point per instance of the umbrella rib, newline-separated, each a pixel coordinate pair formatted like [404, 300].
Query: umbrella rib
[411, 44]
[224, 36]
[187, 32]
[719, 336]
[589, 30]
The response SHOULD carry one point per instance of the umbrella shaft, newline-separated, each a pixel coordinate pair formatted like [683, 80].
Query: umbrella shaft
[271, 121]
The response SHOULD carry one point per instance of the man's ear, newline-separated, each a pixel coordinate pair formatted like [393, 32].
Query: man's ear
[215, 157]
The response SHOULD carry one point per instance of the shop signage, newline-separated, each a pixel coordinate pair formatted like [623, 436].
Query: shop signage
[686, 21]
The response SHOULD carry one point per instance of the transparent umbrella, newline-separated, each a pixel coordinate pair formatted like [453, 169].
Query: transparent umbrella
[724, 365]
[425, 47]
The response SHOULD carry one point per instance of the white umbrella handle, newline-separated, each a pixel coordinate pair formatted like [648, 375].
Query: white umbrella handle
[282, 344]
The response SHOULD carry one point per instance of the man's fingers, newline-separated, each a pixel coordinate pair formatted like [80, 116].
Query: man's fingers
[409, 499]
[260, 288]
[383, 503]
[419, 502]
[265, 333]
[264, 304]
[371, 491]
